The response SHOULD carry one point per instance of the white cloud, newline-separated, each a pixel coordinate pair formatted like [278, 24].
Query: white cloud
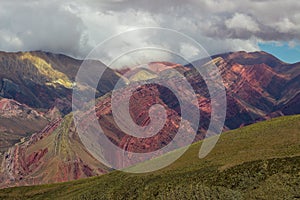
[292, 44]
[242, 21]
[285, 26]
[188, 51]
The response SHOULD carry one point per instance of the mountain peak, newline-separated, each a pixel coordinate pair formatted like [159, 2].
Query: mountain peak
[251, 58]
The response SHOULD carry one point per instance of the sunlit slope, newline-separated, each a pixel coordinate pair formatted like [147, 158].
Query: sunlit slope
[260, 161]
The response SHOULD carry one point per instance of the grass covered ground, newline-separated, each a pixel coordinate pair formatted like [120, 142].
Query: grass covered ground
[260, 161]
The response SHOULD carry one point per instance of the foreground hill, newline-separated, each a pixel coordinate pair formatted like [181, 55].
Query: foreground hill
[260, 161]
[54, 154]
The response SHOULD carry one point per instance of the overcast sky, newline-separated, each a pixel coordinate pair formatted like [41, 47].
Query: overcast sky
[76, 27]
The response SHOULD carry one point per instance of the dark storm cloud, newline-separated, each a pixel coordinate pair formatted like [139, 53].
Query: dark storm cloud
[265, 19]
[74, 27]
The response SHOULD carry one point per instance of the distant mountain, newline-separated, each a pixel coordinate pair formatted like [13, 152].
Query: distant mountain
[258, 86]
[38, 79]
[260, 161]
[44, 80]
[18, 121]
[274, 83]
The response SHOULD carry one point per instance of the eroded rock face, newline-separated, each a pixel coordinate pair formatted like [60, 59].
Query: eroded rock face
[257, 89]
[54, 154]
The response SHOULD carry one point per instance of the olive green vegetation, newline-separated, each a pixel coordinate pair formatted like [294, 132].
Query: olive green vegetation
[260, 161]
[47, 70]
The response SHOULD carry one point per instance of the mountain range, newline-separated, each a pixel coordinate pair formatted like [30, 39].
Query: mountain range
[38, 139]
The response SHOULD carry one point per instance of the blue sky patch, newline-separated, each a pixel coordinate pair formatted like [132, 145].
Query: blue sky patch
[286, 51]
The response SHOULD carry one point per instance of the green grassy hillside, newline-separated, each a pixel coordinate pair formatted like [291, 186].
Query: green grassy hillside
[260, 161]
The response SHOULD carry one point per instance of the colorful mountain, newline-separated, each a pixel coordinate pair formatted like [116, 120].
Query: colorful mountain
[258, 87]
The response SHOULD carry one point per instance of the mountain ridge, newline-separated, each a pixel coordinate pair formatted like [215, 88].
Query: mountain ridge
[255, 92]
